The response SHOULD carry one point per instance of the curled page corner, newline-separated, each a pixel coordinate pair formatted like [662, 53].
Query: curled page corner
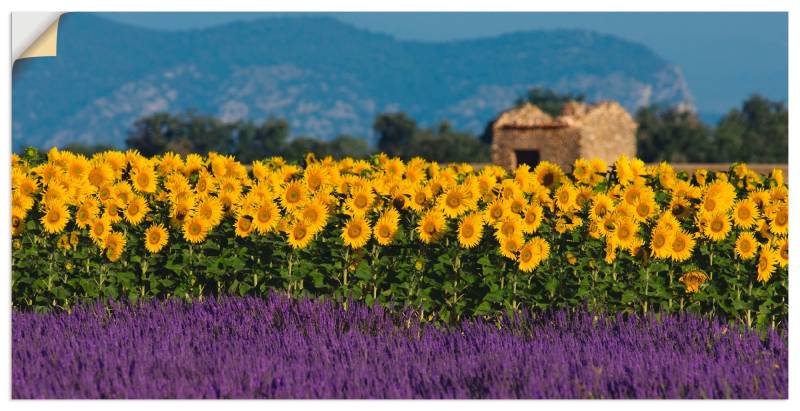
[35, 34]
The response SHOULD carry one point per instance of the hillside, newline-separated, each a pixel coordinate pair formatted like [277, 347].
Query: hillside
[326, 77]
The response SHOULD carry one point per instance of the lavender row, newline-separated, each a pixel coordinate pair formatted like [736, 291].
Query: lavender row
[276, 348]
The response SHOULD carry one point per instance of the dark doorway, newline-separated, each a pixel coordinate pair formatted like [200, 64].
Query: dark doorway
[529, 157]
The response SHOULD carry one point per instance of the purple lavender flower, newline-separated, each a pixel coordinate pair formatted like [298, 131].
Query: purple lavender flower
[277, 348]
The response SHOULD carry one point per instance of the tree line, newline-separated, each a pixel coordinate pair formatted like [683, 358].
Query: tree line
[756, 132]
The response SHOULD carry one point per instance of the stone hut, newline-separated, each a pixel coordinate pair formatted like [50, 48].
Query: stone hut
[527, 135]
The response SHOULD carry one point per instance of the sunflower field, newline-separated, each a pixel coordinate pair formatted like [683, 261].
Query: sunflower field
[446, 241]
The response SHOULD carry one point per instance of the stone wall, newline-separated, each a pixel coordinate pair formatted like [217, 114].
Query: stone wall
[556, 145]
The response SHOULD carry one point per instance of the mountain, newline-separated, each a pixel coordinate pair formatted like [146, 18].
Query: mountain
[326, 77]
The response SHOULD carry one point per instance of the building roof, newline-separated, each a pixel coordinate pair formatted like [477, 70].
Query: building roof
[574, 114]
[525, 116]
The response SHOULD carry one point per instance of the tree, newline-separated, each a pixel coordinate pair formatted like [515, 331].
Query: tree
[348, 146]
[443, 144]
[258, 142]
[548, 100]
[756, 133]
[670, 134]
[182, 134]
[394, 131]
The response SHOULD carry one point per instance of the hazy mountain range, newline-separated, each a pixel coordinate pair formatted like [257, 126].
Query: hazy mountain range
[326, 77]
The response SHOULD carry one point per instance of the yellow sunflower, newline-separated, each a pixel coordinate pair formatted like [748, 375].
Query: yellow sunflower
[315, 215]
[532, 218]
[136, 211]
[356, 232]
[195, 229]
[745, 213]
[99, 229]
[494, 211]
[509, 246]
[783, 252]
[299, 236]
[566, 197]
[431, 226]
[86, 213]
[470, 231]
[746, 246]
[244, 225]
[266, 217]
[780, 222]
[293, 195]
[693, 280]
[114, 244]
[144, 179]
[386, 228]
[766, 264]
[718, 226]
[682, 246]
[155, 238]
[360, 201]
[548, 174]
[660, 242]
[55, 218]
[625, 233]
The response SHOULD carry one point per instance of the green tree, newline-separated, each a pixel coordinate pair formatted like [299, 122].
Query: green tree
[443, 144]
[182, 134]
[758, 132]
[549, 101]
[670, 134]
[257, 142]
[394, 131]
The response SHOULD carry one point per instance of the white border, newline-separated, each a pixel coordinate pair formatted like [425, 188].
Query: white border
[394, 5]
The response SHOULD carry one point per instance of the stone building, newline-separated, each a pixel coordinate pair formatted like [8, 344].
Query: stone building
[527, 135]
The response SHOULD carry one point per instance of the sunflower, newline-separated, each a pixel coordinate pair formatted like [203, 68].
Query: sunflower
[783, 252]
[211, 210]
[645, 208]
[136, 210]
[509, 246]
[779, 223]
[360, 201]
[625, 233]
[766, 264]
[693, 280]
[431, 226]
[470, 231]
[86, 212]
[299, 236]
[244, 225]
[156, 237]
[100, 174]
[55, 218]
[746, 246]
[454, 201]
[356, 232]
[682, 246]
[419, 198]
[17, 221]
[315, 215]
[601, 206]
[532, 218]
[114, 245]
[144, 179]
[718, 226]
[386, 227]
[293, 195]
[509, 226]
[315, 176]
[566, 197]
[266, 217]
[660, 242]
[495, 211]
[745, 213]
[195, 229]
[548, 174]
[680, 207]
[99, 229]
[527, 258]
[668, 222]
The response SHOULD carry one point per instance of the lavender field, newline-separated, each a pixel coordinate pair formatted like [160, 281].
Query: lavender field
[276, 348]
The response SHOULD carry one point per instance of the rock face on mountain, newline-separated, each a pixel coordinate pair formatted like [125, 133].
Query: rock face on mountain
[326, 77]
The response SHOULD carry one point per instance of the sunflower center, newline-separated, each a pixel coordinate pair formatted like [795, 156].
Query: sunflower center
[53, 216]
[429, 228]
[453, 200]
[360, 201]
[154, 237]
[143, 180]
[679, 244]
[264, 215]
[659, 240]
[548, 179]
[133, 209]
[384, 231]
[526, 255]
[782, 218]
[744, 213]
[746, 246]
[244, 224]
[717, 226]
[497, 212]
[354, 230]
[785, 252]
[299, 232]
[194, 228]
[467, 230]
[643, 210]
[711, 204]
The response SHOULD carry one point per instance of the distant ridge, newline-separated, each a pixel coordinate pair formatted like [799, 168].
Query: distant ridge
[326, 77]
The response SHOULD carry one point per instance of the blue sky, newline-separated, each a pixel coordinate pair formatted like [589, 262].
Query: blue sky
[724, 56]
